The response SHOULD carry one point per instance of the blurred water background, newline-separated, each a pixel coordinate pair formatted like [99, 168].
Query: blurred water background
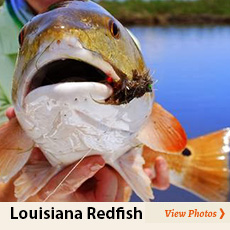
[192, 69]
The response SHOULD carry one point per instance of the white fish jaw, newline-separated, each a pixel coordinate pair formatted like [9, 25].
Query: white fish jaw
[66, 121]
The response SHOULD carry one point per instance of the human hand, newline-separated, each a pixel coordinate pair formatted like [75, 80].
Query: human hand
[159, 178]
[103, 184]
[91, 181]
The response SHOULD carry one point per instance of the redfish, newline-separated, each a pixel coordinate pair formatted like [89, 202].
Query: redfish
[81, 88]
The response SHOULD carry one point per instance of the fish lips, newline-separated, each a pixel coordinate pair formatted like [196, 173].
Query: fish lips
[70, 91]
[69, 61]
[76, 71]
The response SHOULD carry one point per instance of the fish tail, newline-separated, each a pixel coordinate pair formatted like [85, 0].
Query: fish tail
[202, 168]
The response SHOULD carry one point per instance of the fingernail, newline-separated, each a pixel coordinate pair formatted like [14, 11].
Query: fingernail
[163, 164]
[96, 167]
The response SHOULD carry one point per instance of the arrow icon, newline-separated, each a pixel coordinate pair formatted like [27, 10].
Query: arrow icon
[222, 213]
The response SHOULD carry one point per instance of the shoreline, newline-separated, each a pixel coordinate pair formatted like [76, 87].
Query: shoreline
[137, 12]
[166, 20]
[202, 12]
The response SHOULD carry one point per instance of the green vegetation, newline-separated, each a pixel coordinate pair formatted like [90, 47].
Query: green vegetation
[169, 12]
[163, 12]
[216, 7]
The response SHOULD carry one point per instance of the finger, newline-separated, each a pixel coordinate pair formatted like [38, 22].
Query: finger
[85, 170]
[37, 155]
[10, 113]
[161, 181]
[107, 185]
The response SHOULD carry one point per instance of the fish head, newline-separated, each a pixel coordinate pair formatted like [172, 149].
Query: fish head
[80, 83]
[79, 41]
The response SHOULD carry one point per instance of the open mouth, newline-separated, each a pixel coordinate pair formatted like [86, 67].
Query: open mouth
[71, 70]
[66, 70]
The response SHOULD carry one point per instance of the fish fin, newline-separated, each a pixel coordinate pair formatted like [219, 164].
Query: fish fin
[130, 167]
[202, 168]
[163, 132]
[15, 149]
[33, 178]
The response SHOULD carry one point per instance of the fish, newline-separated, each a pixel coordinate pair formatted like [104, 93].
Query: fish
[81, 88]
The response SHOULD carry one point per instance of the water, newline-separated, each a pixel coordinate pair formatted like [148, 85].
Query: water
[192, 66]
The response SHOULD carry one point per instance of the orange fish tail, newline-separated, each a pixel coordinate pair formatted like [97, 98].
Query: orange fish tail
[202, 168]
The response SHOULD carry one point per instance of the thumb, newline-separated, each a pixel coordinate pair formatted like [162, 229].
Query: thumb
[161, 181]
[85, 170]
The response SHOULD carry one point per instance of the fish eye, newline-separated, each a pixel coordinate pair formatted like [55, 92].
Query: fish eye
[115, 31]
[21, 36]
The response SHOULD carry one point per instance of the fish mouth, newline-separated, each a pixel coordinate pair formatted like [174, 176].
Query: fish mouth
[67, 62]
[66, 70]
[75, 70]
